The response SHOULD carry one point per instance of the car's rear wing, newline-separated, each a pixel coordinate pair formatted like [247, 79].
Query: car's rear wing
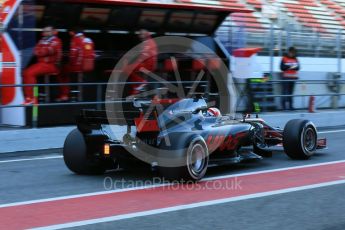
[93, 119]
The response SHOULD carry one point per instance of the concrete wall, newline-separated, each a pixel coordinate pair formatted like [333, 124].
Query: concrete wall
[311, 69]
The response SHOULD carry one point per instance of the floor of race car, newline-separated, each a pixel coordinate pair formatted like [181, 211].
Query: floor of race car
[269, 194]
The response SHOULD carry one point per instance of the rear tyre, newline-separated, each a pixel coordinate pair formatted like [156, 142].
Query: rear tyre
[195, 162]
[300, 139]
[76, 157]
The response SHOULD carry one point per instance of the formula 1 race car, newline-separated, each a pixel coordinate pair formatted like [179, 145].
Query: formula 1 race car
[181, 140]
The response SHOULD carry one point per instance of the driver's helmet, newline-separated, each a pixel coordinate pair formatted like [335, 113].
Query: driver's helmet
[214, 112]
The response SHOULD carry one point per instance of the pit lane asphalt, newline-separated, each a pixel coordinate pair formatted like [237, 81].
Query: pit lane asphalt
[321, 208]
[316, 209]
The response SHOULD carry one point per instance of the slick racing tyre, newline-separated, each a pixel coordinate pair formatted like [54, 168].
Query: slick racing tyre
[76, 157]
[300, 139]
[194, 160]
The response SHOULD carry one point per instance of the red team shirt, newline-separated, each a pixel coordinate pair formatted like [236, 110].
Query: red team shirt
[82, 53]
[148, 56]
[286, 64]
[49, 50]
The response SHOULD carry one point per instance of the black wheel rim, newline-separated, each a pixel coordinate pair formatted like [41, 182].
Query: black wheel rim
[197, 160]
[309, 140]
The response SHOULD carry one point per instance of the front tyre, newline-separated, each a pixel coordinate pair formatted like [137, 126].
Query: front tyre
[300, 139]
[195, 162]
[76, 157]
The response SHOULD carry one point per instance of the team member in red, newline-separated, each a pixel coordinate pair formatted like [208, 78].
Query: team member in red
[147, 59]
[49, 53]
[290, 67]
[81, 59]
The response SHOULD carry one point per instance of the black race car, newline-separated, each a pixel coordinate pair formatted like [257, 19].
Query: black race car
[179, 138]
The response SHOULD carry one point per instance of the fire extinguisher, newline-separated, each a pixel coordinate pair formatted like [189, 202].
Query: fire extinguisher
[311, 104]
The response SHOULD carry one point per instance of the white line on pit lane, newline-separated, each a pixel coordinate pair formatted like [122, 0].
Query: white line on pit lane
[161, 185]
[332, 131]
[188, 206]
[31, 159]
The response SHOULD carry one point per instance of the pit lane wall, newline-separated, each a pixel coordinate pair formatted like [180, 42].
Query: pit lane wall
[311, 69]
